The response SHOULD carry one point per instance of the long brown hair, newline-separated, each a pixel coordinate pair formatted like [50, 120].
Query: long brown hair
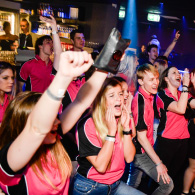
[13, 123]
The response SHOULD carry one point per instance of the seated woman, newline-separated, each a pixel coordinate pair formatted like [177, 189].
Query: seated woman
[7, 74]
[104, 142]
[32, 158]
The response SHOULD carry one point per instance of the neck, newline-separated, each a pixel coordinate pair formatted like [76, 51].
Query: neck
[146, 91]
[173, 90]
[2, 95]
[77, 49]
[26, 33]
[44, 57]
[151, 60]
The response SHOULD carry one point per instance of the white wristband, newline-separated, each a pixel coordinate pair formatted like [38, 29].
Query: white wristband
[54, 32]
[111, 139]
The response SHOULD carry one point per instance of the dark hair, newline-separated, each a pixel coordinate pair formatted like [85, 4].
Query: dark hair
[120, 79]
[25, 20]
[39, 41]
[163, 83]
[151, 46]
[162, 58]
[5, 25]
[5, 66]
[72, 34]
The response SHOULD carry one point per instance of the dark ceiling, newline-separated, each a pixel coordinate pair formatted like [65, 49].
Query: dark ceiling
[174, 8]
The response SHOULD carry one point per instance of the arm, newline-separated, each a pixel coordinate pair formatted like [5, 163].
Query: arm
[41, 119]
[172, 45]
[101, 161]
[84, 99]
[128, 105]
[161, 168]
[56, 40]
[180, 106]
[129, 148]
[192, 78]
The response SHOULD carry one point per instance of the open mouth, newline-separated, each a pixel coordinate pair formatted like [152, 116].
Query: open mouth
[53, 132]
[118, 107]
[178, 79]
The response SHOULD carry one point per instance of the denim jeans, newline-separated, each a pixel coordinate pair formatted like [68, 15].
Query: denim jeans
[82, 185]
[144, 162]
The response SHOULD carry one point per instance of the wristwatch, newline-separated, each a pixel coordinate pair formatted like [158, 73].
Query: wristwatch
[127, 132]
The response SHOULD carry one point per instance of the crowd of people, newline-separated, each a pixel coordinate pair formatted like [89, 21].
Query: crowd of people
[76, 129]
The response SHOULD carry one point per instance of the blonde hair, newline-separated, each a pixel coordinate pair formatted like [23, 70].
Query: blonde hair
[146, 68]
[99, 110]
[13, 123]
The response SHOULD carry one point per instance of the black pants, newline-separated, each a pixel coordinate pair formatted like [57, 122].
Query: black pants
[173, 153]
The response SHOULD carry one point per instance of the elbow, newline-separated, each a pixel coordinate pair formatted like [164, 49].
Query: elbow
[180, 111]
[129, 159]
[131, 156]
[101, 169]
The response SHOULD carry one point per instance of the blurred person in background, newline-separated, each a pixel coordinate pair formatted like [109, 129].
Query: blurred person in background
[127, 70]
[25, 39]
[7, 76]
[7, 40]
[78, 40]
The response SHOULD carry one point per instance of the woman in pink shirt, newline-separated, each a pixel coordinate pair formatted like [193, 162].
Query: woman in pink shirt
[105, 143]
[32, 158]
[7, 74]
[172, 133]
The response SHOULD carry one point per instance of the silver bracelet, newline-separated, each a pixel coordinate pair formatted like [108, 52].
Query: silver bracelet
[54, 32]
[111, 139]
[159, 163]
[52, 96]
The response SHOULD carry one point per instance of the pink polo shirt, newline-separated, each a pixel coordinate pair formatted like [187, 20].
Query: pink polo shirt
[26, 181]
[90, 144]
[143, 114]
[36, 74]
[172, 125]
[3, 107]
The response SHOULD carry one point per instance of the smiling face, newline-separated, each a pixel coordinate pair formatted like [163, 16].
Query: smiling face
[114, 99]
[173, 78]
[6, 80]
[52, 135]
[149, 83]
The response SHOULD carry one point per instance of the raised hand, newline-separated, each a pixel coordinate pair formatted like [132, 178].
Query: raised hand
[50, 20]
[128, 102]
[177, 35]
[125, 118]
[73, 64]
[111, 122]
[192, 78]
[186, 77]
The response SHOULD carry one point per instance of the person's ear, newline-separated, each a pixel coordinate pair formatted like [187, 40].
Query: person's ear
[140, 81]
[40, 46]
[72, 41]
[166, 79]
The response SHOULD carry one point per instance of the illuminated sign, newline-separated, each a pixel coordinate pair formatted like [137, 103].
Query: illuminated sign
[153, 17]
